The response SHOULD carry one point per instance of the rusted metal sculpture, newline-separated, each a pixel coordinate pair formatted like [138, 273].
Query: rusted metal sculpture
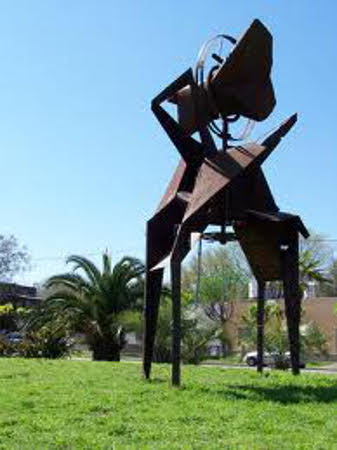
[223, 187]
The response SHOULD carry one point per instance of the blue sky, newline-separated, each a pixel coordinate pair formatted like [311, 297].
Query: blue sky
[84, 162]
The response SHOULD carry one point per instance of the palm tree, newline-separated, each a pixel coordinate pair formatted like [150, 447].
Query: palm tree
[92, 300]
[312, 259]
[310, 268]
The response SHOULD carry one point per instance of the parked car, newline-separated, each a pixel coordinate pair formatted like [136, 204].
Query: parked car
[269, 359]
[14, 337]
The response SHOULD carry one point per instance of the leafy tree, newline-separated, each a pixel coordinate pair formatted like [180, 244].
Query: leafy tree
[314, 260]
[199, 330]
[14, 258]
[13, 318]
[274, 317]
[196, 330]
[162, 345]
[276, 337]
[92, 300]
[311, 269]
[275, 331]
[224, 279]
[318, 246]
[314, 340]
[7, 317]
[330, 289]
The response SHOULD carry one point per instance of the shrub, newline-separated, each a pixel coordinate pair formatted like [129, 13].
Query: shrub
[314, 340]
[44, 344]
[6, 347]
[40, 344]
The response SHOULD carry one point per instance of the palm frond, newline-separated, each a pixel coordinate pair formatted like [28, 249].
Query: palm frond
[133, 267]
[88, 267]
[71, 281]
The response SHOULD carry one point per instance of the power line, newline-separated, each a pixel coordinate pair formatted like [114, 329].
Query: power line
[54, 258]
[65, 256]
[98, 253]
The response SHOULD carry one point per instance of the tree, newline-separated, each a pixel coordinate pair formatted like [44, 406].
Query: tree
[330, 289]
[92, 300]
[314, 340]
[311, 269]
[275, 332]
[7, 317]
[314, 255]
[276, 336]
[314, 261]
[224, 279]
[14, 258]
[196, 332]
[196, 329]
[274, 325]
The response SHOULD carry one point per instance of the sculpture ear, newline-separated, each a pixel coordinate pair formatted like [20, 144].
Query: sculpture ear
[240, 86]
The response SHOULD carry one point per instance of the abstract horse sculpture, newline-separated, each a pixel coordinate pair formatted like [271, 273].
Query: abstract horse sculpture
[224, 187]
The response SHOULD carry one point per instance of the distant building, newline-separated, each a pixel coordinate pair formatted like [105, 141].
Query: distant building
[18, 294]
[274, 290]
[311, 290]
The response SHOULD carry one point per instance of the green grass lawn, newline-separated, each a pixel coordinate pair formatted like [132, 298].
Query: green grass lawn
[81, 404]
[318, 364]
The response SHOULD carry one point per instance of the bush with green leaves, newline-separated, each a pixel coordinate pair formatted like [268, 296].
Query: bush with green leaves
[7, 317]
[313, 340]
[6, 347]
[44, 344]
[49, 341]
[275, 331]
[197, 330]
[13, 318]
[223, 279]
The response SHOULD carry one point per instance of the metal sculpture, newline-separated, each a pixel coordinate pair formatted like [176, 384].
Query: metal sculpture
[224, 187]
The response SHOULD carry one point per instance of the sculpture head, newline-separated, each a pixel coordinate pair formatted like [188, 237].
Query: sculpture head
[236, 86]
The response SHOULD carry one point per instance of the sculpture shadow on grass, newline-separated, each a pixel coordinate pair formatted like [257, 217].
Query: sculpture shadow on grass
[286, 394]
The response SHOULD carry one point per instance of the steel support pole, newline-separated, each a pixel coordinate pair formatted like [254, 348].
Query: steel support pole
[197, 286]
[292, 299]
[153, 286]
[176, 318]
[260, 324]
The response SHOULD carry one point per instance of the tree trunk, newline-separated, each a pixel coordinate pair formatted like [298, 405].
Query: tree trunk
[224, 349]
[225, 343]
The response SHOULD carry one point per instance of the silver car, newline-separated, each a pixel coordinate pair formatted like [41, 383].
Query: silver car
[269, 359]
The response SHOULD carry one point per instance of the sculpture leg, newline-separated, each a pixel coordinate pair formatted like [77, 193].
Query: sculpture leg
[176, 318]
[153, 285]
[260, 325]
[292, 299]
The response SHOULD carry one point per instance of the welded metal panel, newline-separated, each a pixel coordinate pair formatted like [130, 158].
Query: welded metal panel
[220, 187]
[217, 173]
